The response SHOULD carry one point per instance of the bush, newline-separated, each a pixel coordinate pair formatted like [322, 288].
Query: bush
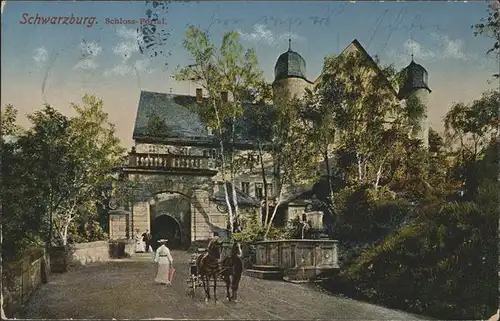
[254, 231]
[444, 264]
[366, 216]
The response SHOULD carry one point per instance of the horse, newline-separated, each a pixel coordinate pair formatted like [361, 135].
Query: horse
[208, 266]
[232, 269]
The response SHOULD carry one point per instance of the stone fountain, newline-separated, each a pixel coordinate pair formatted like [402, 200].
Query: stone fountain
[299, 260]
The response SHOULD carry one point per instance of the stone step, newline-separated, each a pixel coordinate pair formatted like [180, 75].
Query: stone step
[266, 267]
[265, 275]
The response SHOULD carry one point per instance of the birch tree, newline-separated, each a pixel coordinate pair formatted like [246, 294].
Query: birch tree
[230, 69]
[294, 155]
[365, 112]
[260, 120]
[70, 160]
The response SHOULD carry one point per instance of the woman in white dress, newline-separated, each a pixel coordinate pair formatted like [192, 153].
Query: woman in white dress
[139, 243]
[164, 260]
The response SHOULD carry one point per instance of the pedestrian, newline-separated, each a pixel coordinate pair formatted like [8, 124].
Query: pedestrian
[139, 243]
[165, 262]
[146, 237]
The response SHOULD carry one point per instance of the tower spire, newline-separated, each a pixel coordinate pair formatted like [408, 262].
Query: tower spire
[412, 46]
[290, 35]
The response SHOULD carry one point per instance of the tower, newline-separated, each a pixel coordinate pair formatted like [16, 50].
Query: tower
[415, 86]
[289, 75]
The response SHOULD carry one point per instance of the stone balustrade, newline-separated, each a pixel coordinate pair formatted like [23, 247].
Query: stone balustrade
[159, 161]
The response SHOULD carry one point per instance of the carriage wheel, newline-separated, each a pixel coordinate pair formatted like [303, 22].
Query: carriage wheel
[192, 286]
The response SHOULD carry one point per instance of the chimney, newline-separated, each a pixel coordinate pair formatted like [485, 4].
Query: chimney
[199, 95]
[224, 96]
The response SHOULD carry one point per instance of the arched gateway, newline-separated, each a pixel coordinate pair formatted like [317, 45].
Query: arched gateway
[170, 218]
[172, 198]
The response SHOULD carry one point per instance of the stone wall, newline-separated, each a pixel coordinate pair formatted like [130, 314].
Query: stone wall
[119, 225]
[289, 88]
[20, 279]
[86, 253]
[205, 217]
[141, 216]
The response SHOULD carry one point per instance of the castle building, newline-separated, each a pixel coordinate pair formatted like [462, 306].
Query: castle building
[181, 193]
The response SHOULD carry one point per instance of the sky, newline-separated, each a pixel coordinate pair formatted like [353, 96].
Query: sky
[58, 63]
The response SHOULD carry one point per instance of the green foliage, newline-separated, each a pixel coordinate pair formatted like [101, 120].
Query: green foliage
[355, 97]
[444, 264]
[8, 120]
[254, 231]
[230, 68]
[443, 260]
[55, 174]
[367, 215]
[475, 127]
[294, 229]
[231, 71]
[490, 27]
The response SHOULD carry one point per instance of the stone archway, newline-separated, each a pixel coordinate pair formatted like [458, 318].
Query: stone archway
[170, 214]
[165, 226]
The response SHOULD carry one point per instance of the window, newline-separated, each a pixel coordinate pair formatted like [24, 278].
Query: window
[220, 186]
[205, 153]
[269, 188]
[213, 153]
[258, 190]
[245, 187]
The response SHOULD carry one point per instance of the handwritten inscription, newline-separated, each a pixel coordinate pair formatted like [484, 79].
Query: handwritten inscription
[404, 20]
[323, 20]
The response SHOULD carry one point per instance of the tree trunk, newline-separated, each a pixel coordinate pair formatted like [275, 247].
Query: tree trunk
[329, 174]
[264, 181]
[65, 234]
[235, 201]
[360, 168]
[377, 180]
[223, 167]
[49, 237]
[233, 187]
[278, 203]
[379, 173]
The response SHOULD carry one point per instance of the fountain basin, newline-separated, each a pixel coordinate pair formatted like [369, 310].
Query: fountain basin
[299, 259]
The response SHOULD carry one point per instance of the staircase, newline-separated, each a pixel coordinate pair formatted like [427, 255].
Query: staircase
[265, 272]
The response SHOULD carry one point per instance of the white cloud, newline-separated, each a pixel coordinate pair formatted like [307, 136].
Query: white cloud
[125, 49]
[262, 34]
[41, 55]
[86, 64]
[124, 69]
[89, 51]
[128, 45]
[418, 51]
[441, 47]
[452, 48]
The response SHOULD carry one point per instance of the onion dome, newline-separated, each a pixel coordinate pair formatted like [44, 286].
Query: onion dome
[290, 64]
[414, 77]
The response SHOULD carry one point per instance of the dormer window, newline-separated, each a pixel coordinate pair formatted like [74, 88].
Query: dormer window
[209, 130]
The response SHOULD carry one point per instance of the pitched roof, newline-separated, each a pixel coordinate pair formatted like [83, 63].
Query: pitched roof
[182, 120]
[355, 46]
[242, 198]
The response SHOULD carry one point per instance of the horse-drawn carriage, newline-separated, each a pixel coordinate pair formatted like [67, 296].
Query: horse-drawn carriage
[220, 261]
